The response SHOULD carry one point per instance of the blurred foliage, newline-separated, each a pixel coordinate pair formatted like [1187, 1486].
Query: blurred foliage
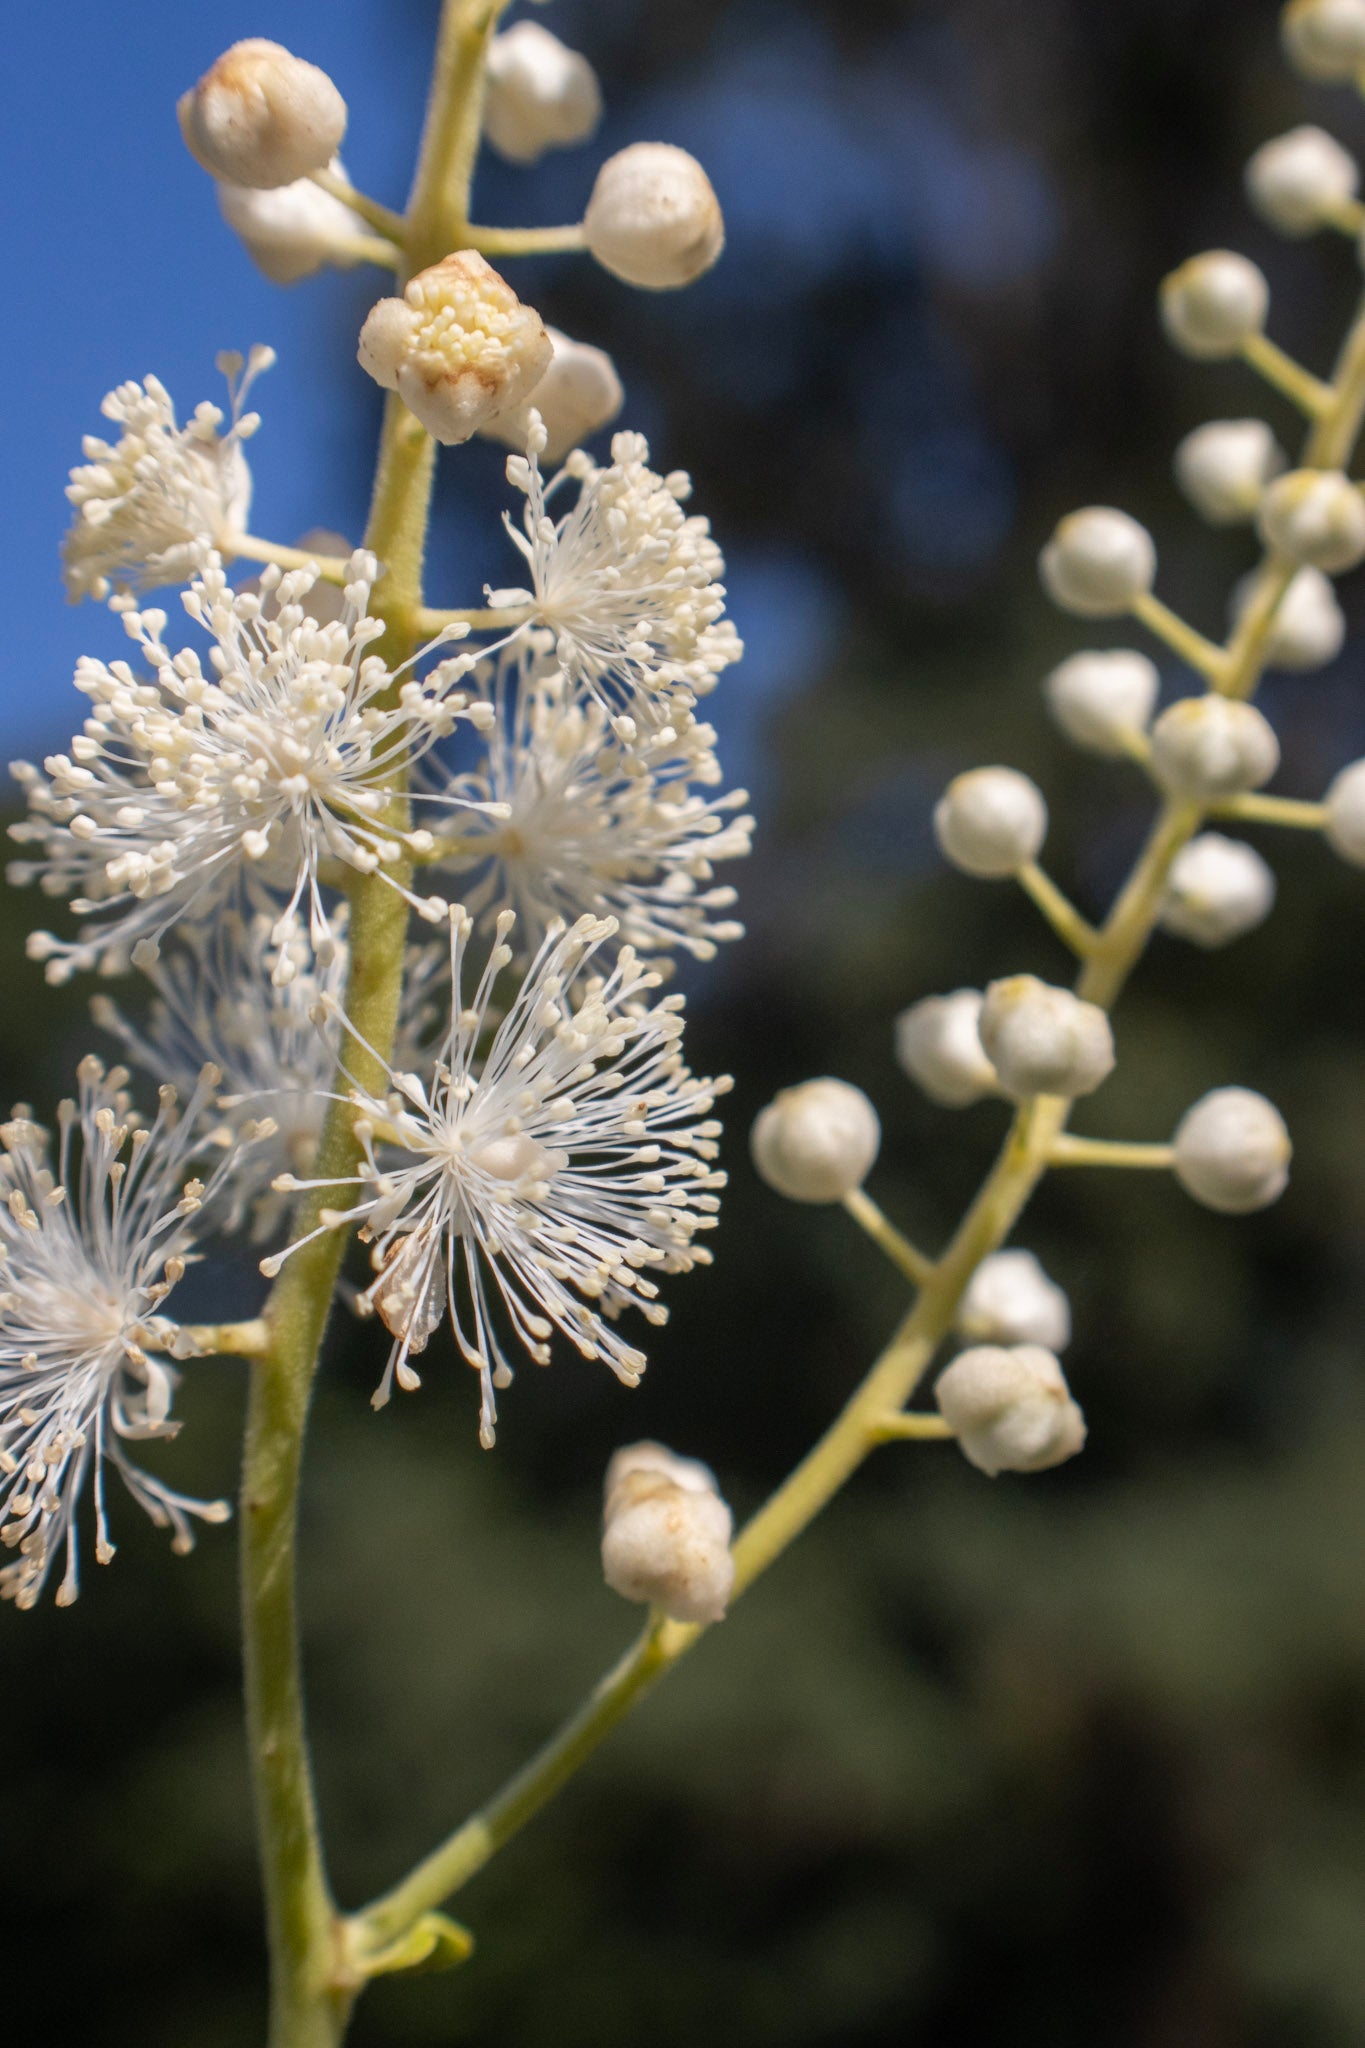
[1068, 1760]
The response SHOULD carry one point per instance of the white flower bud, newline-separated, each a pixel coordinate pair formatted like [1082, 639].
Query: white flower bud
[1043, 1040]
[1300, 181]
[1325, 39]
[1345, 827]
[1099, 698]
[1309, 626]
[1010, 1300]
[653, 219]
[1097, 561]
[1209, 747]
[990, 821]
[458, 347]
[291, 231]
[1214, 303]
[1232, 1151]
[1316, 517]
[938, 1045]
[1217, 889]
[816, 1143]
[579, 393]
[666, 1534]
[261, 116]
[1224, 466]
[1010, 1409]
[540, 94]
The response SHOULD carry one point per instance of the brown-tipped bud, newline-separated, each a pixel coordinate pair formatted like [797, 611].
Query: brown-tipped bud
[262, 116]
[666, 1534]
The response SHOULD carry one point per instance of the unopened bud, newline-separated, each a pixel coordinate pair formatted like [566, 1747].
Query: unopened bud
[1224, 466]
[817, 1142]
[261, 116]
[1010, 1409]
[458, 347]
[1301, 181]
[666, 1534]
[1097, 562]
[1325, 39]
[1232, 1151]
[1010, 1300]
[1217, 889]
[1317, 518]
[1345, 827]
[540, 94]
[653, 218]
[1309, 626]
[991, 821]
[1214, 303]
[291, 231]
[1209, 747]
[938, 1044]
[1102, 698]
[1043, 1040]
[579, 393]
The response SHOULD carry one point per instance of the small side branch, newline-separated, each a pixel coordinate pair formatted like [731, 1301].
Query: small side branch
[526, 241]
[497, 619]
[1256, 809]
[894, 1429]
[1299, 386]
[1208, 660]
[883, 1232]
[390, 225]
[1068, 1150]
[230, 1340]
[1061, 913]
[249, 547]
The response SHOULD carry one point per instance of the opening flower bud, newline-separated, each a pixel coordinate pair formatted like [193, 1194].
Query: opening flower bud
[1208, 747]
[1232, 1151]
[540, 94]
[1097, 562]
[1214, 303]
[1224, 466]
[1301, 181]
[990, 821]
[1010, 1409]
[939, 1045]
[653, 219]
[1345, 828]
[1010, 1300]
[1309, 626]
[262, 116]
[1043, 1040]
[292, 231]
[1100, 699]
[1317, 518]
[817, 1142]
[1325, 39]
[458, 347]
[579, 393]
[666, 1534]
[1217, 889]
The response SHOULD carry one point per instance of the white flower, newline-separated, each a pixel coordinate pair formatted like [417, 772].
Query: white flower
[540, 95]
[579, 393]
[564, 1167]
[149, 506]
[631, 833]
[291, 231]
[89, 1250]
[625, 580]
[458, 346]
[183, 791]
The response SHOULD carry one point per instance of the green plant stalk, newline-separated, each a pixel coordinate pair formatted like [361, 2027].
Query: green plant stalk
[1112, 954]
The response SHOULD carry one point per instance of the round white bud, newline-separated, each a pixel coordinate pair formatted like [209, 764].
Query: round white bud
[540, 94]
[1224, 466]
[1214, 303]
[1010, 1409]
[1211, 746]
[1101, 698]
[991, 821]
[1325, 39]
[579, 393]
[1010, 1300]
[291, 231]
[1300, 181]
[666, 1534]
[1217, 889]
[817, 1142]
[1317, 518]
[938, 1045]
[1309, 626]
[458, 347]
[1232, 1151]
[1097, 561]
[653, 219]
[1345, 827]
[1043, 1040]
[261, 116]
